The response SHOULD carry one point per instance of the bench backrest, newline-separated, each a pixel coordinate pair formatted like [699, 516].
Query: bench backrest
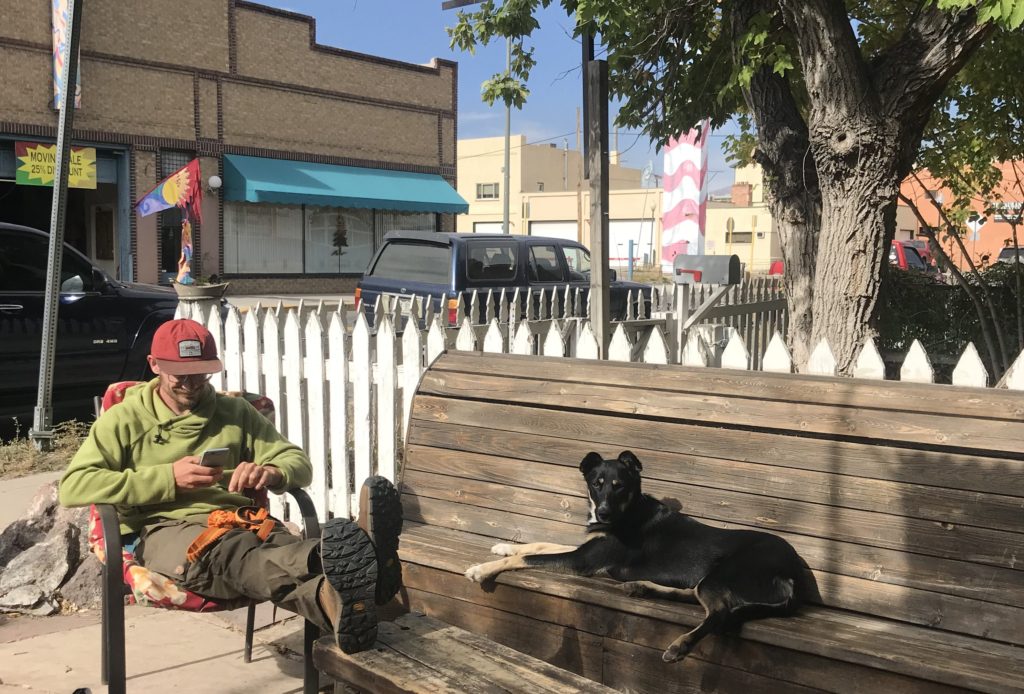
[905, 500]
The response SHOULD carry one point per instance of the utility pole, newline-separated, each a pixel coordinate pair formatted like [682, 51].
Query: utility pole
[597, 160]
[42, 420]
[508, 146]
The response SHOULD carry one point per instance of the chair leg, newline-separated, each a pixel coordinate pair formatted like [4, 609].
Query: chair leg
[250, 624]
[310, 676]
[112, 667]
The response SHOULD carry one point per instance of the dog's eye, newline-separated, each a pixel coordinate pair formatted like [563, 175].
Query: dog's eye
[599, 482]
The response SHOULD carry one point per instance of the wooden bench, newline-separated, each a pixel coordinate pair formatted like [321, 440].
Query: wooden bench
[416, 653]
[906, 500]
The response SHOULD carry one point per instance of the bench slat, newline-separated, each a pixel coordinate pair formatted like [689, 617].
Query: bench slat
[957, 660]
[604, 432]
[897, 396]
[420, 654]
[993, 511]
[639, 403]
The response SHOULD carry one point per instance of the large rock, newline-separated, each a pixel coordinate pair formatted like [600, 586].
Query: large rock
[33, 527]
[29, 599]
[19, 536]
[84, 590]
[44, 565]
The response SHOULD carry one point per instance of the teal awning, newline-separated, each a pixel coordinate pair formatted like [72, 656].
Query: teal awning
[287, 182]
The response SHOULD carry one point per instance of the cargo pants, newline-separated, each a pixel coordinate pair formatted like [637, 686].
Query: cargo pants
[285, 569]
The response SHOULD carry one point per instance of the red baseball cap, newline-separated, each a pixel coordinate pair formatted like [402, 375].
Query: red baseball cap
[182, 347]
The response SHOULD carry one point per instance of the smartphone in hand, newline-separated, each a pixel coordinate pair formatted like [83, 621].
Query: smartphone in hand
[215, 457]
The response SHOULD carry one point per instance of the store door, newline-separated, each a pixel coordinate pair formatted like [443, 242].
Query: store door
[102, 241]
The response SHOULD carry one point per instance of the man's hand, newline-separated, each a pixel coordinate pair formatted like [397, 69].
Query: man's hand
[189, 474]
[253, 476]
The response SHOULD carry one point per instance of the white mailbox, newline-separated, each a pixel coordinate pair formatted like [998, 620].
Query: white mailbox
[706, 269]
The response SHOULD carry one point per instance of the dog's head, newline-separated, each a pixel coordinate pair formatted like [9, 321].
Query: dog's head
[613, 485]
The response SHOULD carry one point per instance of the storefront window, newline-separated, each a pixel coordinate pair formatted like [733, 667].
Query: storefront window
[281, 239]
[338, 240]
[262, 239]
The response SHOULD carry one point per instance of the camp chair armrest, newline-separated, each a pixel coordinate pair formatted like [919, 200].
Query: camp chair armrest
[308, 512]
[111, 527]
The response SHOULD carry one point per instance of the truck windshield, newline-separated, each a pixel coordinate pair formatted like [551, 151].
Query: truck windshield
[413, 261]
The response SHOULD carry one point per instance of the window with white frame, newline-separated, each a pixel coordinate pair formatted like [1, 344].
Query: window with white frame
[487, 191]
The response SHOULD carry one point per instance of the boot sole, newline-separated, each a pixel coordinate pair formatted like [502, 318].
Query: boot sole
[382, 506]
[350, 566]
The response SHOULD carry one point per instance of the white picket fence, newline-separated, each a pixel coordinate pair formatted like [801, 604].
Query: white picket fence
[343, 393]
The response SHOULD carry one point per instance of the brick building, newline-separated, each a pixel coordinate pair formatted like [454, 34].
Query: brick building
[320, 150]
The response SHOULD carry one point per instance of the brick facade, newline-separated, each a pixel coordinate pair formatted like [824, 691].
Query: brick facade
[214, 77]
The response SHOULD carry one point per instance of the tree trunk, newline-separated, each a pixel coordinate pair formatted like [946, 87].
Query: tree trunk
[790, 183]
[857, 165]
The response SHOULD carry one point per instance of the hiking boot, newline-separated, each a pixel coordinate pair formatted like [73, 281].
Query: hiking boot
[380, 512]
[346, 594]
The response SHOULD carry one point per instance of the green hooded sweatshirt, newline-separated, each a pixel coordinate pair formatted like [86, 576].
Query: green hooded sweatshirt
[128, 456]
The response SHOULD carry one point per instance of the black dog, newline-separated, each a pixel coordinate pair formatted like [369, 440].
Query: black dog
[736, 575]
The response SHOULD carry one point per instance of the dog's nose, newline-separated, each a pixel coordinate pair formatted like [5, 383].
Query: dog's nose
[602, 513]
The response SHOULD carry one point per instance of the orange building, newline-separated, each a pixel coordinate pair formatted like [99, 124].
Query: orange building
[989, 230]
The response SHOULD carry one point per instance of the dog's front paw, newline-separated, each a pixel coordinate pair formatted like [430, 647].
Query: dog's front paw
[505, 549]
[675, 653]
[476, 573]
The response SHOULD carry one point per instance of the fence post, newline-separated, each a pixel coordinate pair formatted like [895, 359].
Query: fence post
[386, 412]
[317, 417]
[362, 385]
[337, 383]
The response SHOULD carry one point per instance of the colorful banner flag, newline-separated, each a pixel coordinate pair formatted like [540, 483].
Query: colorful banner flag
[37, 165]
[61, 19]
[684, 201]
[182, 189]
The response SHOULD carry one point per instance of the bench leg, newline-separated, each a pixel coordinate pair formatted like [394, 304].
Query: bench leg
[310, 675]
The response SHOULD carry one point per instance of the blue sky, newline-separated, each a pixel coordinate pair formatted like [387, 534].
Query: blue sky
[414, 31]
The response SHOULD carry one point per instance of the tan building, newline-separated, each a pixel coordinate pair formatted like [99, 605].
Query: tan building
[741, 224]
[546, 201]
[320, 150]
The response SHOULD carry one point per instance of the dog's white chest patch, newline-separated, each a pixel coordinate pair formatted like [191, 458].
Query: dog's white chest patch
[593, 510]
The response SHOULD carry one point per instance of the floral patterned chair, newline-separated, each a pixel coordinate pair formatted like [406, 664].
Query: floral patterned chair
[122, 573]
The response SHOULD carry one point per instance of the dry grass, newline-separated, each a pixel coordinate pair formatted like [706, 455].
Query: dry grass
[19, 456]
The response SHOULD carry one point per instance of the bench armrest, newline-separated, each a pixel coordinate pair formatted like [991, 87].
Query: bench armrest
[310, 524]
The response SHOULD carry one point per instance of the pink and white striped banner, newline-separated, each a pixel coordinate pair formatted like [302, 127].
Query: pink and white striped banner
[684, 198]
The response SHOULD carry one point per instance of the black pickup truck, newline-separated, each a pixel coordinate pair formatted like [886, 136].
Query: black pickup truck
[446, 266]
[104, 327]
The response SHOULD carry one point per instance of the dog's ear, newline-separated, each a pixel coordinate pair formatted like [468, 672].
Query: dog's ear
[589, 461]
[627, 458]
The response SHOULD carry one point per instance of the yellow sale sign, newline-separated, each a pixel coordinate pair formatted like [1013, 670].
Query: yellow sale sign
[37, 164]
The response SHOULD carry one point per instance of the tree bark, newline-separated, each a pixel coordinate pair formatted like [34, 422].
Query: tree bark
[790, 183]
[863, 125]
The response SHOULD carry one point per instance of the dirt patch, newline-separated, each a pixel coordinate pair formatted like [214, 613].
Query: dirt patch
[19, 456]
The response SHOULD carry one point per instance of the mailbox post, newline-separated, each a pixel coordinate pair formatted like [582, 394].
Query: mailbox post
[720, 271]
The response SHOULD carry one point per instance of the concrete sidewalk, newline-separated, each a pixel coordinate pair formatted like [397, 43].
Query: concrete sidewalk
[167, 651]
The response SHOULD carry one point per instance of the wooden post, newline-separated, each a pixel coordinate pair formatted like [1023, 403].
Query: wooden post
[597, 157]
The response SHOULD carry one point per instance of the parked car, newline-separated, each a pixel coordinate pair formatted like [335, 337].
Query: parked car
[1011, 254]
[445, 266]
[922, 248]
[103, 333]
[905, 256]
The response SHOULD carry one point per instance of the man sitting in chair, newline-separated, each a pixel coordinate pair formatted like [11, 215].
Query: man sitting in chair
[144, 456]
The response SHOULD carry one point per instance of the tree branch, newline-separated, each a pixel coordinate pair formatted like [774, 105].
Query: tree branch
[912, 73]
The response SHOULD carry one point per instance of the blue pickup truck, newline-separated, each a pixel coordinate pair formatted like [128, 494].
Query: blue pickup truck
[445, 266]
